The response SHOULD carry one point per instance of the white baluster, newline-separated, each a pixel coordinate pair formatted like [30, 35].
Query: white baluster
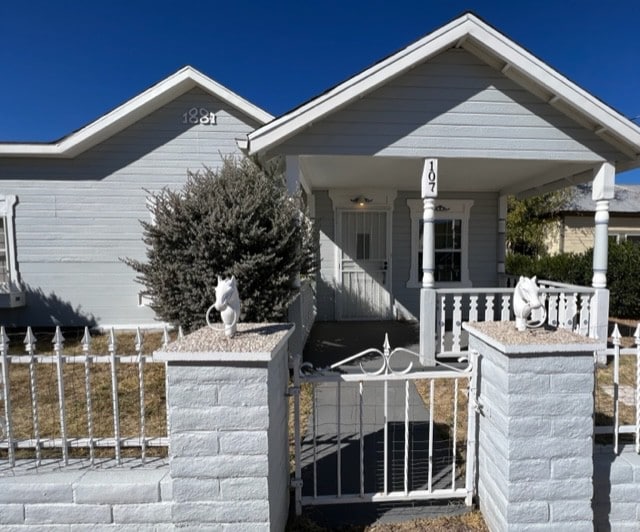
[562, 311]
[584, 314]
[505, 314]
[457, 323]
[112, 346]
[58, 342]
[488, 307]
[86, 349]
[473, 307]
[30, 348]
[615, 337]
[552, 312]
[180, 332]
[139, 344]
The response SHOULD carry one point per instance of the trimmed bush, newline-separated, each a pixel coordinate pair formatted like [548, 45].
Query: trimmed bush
[238, 220]
[623, 273]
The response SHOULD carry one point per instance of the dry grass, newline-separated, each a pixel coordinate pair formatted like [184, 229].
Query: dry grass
[469, 522]
[48, 410]
[604, 380]
[445, 399]
[306, 404]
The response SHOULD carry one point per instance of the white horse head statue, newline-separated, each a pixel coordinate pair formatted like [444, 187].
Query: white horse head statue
[227, 304]
[526, 299]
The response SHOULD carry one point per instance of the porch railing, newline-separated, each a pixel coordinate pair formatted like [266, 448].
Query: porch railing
[567, 306]
[41, 389]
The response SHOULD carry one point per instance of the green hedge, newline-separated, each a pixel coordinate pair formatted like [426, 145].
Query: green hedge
[623, 275]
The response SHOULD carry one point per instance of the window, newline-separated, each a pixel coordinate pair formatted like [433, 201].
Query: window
[9, 281]
[451, 242]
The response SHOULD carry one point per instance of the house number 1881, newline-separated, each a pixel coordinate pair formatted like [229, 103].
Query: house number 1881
[199, 115]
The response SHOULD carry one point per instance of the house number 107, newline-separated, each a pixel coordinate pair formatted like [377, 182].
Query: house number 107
[199, 115]
[430, 178]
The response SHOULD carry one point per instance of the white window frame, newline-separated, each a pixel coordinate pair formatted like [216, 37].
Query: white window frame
[7, 212]
[631, 233]
[445, 210]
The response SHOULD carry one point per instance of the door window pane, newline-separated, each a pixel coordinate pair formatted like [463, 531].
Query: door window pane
[363, 246]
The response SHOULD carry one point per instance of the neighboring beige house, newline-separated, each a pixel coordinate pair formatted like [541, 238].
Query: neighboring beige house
[574, 233]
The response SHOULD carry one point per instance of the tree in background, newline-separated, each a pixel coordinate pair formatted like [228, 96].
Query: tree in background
[532, 220]
[237, 220]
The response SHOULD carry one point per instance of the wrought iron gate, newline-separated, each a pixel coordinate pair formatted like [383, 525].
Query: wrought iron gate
[379, 429]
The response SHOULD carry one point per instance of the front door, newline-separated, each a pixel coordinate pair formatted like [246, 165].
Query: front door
[364, 266]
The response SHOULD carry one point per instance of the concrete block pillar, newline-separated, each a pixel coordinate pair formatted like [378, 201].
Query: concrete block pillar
[227, 409]
[535, 429]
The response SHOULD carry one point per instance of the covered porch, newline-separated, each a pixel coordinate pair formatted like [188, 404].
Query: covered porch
[407, 166]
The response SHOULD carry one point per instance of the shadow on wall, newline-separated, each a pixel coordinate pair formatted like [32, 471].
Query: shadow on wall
[42, 310]
[601, 503]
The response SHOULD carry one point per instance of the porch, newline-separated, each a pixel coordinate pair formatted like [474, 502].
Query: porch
[583, 310]
[407, 166]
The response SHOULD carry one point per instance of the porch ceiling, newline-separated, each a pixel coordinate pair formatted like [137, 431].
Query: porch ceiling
[455, 175]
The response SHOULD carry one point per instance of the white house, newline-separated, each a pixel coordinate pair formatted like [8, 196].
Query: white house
[71, 209]
[464, 106]
[492, 117]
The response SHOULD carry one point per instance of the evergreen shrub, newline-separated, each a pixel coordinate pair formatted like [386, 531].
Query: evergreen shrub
[623, 273]
[237, 220]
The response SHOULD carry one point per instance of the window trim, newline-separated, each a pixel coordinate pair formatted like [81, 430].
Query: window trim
[445, 210]
[7, 211]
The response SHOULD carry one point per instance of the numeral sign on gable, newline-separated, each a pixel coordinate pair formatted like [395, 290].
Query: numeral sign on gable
[199, 115]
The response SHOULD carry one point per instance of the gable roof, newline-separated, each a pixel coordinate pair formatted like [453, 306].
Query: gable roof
[489, 45]
[130, 112]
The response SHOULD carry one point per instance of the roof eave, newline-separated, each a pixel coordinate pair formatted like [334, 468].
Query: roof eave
[467, 31]
[130, 112]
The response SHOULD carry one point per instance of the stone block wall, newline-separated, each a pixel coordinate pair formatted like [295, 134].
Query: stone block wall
[108, 497]
[228, 467]
[227, 408]
[616, 486]
[535, 432]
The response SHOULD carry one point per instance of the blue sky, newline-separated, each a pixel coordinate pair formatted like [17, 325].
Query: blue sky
[66, 63]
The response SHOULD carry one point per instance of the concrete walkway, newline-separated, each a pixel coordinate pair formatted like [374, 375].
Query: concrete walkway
[328, 343]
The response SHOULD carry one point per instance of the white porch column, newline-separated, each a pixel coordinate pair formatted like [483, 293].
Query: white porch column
[429, 187]
[502, 232]
[428, 243]
[602, 192]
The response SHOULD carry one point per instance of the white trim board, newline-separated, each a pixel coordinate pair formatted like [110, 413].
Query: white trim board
[130, 112]
[484, 41]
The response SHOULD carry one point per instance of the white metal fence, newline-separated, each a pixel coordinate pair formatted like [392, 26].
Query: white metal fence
[622, 390]
[376, 431]
[94, 378]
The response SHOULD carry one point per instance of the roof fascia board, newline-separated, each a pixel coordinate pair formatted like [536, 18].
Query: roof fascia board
[552, 81]
[133, 110]
[470, 31]
[357, 86]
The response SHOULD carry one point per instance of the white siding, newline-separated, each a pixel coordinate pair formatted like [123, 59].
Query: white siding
[452, 106]
[76, 218]
[483, 228]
